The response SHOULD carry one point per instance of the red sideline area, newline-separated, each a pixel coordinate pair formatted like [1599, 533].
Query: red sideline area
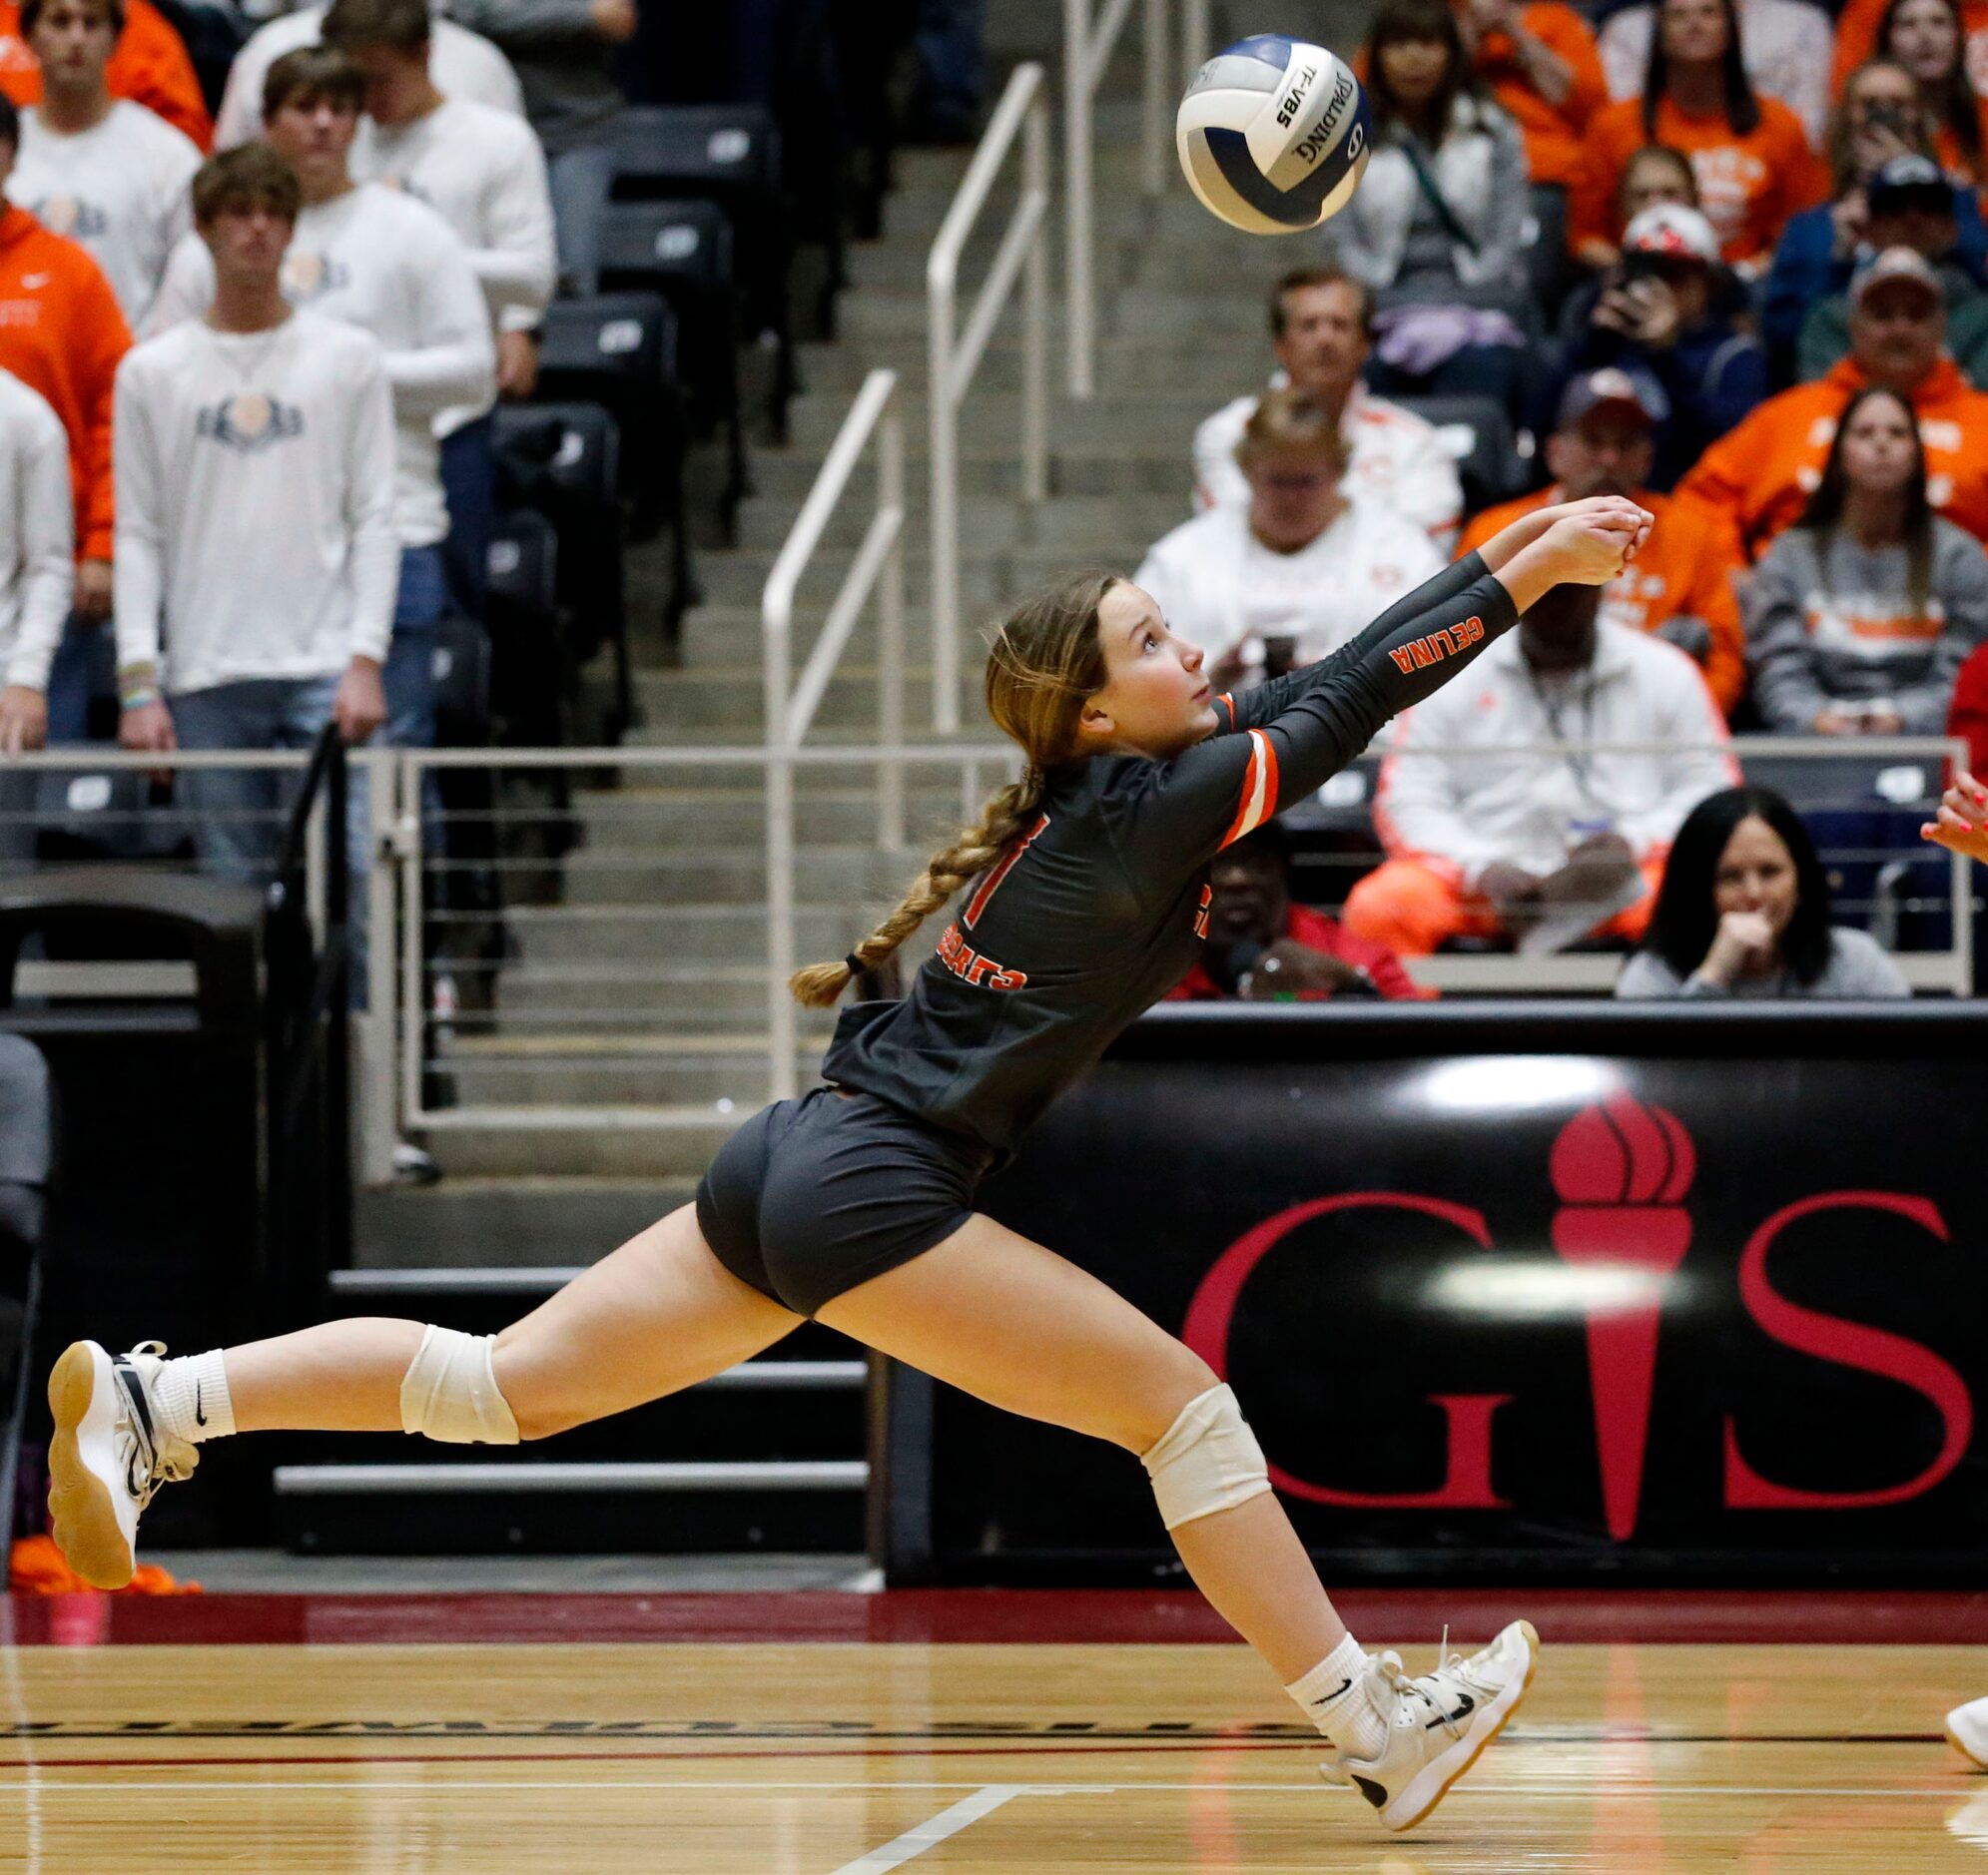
[1567, 1616]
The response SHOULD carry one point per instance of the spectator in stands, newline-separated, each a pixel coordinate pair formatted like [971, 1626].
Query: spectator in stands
[62, 334]
[1538, 60]
[1753, 162]
[150, 67]
[1786, 44]
[1860, 23]
[376, 258]
[465, 65]
[1861, 614]
[564, 54]
[1435, 223]
[1910, 204]
[37, 571]
[1300, 570]
[1680, 586]
[1926, 38]
[483, 170]
[1263, 948]
[1745, 912]
[263, 430]
[1761, 477]
[1665, 313]
[1547, 848]
[1878, 120]
[107, 172]
[951, 72]
[1319, 333]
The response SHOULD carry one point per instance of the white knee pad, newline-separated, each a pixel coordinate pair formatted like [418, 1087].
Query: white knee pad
[1208, 1461]
[451, 1392]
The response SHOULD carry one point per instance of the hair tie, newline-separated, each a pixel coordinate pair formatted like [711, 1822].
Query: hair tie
[854, 963]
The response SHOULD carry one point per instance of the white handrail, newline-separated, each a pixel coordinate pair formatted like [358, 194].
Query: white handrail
[1087, 49]
[956, 356]
[879, 563]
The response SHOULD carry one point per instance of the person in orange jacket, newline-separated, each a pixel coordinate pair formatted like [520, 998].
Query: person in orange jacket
[150, 67]
[1759, 476]
[1681, 585]
[62, 334]
[1540, 63]
[1751, 154]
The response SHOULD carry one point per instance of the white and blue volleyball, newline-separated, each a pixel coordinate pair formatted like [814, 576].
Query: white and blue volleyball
[1273, 135]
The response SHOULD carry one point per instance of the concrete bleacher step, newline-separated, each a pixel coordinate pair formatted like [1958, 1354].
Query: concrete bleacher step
[620, 1069]
[672, 932]
[515, 1222]
[732, 875]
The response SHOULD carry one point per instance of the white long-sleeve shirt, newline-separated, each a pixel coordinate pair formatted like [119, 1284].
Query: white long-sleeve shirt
[1443, 798]
[1217, 584]
[1393, 458]
[118, 190]
[255, 527]
[461, 63]
[37, 534]
[483, 170]
[380, 260]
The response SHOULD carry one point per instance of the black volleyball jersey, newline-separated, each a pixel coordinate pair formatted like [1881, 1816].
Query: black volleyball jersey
[1097, 910]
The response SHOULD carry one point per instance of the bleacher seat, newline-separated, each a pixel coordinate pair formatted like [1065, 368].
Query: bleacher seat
[729, 153]
[529, 678]
[684, 250]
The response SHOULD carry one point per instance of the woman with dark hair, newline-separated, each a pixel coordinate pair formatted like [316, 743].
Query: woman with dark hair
[1745, 912]
[1753, 161]
[1926, 38]
[1860, 34]
[1860, 617]
[1537, 58]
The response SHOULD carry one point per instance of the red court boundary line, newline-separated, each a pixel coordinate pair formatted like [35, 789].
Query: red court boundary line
[954, 1615]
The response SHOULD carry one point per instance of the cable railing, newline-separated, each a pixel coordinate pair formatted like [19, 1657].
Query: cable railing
[1088, 44]
[955, 355]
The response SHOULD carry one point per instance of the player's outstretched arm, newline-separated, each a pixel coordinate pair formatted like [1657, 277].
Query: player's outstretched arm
[1962, 824]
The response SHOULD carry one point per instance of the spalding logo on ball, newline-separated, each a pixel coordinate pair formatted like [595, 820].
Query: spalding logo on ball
[1273, 135]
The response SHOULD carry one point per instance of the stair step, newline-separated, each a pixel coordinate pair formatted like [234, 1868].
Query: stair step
[470, 1224]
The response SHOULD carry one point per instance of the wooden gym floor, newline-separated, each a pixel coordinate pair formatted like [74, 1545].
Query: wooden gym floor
[815, 1734]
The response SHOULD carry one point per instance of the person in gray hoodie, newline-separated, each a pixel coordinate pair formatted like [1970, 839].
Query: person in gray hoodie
[1860, 615]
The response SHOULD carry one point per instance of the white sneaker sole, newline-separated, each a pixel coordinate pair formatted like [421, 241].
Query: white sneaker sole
[1430, 1785]
[1967, 1751]
[83, 1470]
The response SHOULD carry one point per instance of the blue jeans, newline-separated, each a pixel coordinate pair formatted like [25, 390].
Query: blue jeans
[85, 666]
[236, 810]
[950, 59]
[469, 483]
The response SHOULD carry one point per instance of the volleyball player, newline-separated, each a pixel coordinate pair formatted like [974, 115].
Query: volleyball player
[854, 1204]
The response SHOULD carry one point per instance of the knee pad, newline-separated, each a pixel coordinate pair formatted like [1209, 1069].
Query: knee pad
[1208, 1461]
[451, 1392]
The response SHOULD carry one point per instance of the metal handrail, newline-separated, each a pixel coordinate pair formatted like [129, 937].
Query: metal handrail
[1087, 49]
[956, 356]
[789, 712]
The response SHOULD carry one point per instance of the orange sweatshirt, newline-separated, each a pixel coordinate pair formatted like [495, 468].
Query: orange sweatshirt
[1553, 132]
[1685, 569]
[150, 67]
[1748, 186]
[1761, 475]
[61, 333]
[1856, 37]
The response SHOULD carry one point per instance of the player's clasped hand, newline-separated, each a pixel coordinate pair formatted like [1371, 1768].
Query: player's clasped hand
[1962, 823]
[1597, 538]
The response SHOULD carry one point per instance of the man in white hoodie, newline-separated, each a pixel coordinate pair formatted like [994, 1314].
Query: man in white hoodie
[373, 258]
[256, 555]
[1492, 830]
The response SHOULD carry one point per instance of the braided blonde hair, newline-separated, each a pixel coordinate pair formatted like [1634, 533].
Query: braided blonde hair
[1044, 662]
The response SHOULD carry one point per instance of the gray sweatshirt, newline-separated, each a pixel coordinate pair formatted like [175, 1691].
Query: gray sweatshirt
[1848, 638]
[1859, 967]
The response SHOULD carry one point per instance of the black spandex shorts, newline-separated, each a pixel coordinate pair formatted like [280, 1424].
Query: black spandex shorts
[813, 1196]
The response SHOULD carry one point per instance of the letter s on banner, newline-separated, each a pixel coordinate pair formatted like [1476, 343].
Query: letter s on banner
[1466, 1429]
[1847, 1344]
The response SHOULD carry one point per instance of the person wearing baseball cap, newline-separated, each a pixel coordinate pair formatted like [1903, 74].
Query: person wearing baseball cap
[1912, 211]
[1680, 586]
[1663, 314]
[1761, 475]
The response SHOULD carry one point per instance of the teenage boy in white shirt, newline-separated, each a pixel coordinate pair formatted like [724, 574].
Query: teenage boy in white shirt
[483, 172]
[256, 544]
[107, 172]
[37, 571]
[373, 258]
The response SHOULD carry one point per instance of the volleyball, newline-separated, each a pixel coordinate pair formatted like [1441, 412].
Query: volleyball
[1273, 135]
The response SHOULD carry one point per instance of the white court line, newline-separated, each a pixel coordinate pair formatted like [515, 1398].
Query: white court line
[933, 1831]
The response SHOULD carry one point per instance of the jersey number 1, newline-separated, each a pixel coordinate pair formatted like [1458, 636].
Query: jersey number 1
[979, 903]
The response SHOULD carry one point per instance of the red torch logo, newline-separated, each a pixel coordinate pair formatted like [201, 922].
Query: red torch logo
[1621, 1170]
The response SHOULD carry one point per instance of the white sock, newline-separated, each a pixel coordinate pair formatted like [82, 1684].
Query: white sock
[1333, 1695]
[190, 1398]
